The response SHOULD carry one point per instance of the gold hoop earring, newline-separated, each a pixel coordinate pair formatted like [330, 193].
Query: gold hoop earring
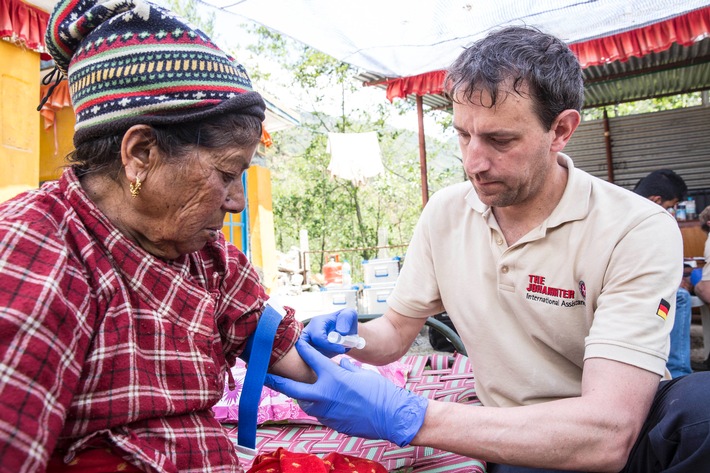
[135, 187]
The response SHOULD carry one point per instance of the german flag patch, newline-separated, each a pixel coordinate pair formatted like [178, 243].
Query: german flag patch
[663, 309]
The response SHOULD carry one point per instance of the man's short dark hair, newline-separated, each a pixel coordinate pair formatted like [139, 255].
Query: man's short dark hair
[524, 56]
[664, 183]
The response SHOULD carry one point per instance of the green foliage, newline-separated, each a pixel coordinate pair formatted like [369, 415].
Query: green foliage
[656, 104]
[192, 12]
[339, 216]
[336, 214]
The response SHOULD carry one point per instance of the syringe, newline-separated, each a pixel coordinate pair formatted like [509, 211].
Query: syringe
[349, 341]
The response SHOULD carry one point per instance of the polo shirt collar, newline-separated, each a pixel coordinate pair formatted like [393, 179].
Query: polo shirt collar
[574, 204]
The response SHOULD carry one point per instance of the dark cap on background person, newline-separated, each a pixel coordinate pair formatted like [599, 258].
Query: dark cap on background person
[131, 62]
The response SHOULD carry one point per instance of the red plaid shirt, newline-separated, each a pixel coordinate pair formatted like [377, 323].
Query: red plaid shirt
[102, 343]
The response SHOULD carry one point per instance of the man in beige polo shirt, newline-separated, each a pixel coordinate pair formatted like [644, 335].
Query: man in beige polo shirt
[561, 285]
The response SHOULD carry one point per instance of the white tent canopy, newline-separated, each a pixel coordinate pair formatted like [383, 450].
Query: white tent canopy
[399, 38]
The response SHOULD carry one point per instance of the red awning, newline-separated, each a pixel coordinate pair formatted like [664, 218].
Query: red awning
[684, 30]
[422, 84]
[23, 24]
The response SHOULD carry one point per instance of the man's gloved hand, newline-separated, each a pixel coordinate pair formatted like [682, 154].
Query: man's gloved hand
[316, 332]
[354, 401]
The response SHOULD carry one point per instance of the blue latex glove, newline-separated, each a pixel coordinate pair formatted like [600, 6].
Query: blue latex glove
[316, 332]
[354, 401]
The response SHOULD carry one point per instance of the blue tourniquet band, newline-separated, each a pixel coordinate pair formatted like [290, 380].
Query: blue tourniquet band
[260, 346]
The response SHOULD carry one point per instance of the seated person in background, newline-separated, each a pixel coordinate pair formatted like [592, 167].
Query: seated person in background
[122, 305]
[666, 188]
[702, 287]
[564, 302]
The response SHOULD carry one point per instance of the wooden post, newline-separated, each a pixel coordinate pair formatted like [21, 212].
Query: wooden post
[607, 142]
[422, 151]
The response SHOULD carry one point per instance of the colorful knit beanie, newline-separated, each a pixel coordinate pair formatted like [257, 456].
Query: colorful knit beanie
[131, 62]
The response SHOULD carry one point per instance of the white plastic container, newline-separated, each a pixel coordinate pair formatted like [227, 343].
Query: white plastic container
[378, 271]
[347, 274]
[680, 213]
[336, 299]
[690, 209]
[374, 298]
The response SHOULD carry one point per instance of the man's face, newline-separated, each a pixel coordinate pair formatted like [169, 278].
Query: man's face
[506, 152]
[666, 204]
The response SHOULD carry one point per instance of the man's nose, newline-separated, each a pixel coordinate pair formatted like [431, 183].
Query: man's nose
[475, 157]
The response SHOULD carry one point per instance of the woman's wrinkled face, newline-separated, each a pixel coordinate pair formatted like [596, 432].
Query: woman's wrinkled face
[183, 202]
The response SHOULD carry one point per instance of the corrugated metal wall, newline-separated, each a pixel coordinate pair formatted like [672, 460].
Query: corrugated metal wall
[675, 139]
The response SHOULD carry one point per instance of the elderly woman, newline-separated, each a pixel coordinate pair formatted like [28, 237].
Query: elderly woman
[122, 304]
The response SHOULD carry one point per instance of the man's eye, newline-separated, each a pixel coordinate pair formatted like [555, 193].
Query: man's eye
[501, 141]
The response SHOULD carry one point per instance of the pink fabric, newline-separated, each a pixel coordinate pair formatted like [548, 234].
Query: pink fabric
[277, 407]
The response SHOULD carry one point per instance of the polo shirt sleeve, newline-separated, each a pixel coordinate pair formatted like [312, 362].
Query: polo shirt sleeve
[635, 309]
[416, 293]
[45, 333]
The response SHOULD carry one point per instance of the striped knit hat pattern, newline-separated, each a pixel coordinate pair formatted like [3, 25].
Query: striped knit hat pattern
[132, 62]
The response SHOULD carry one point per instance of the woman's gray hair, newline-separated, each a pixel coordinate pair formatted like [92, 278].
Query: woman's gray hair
[526, 57]
[103, 155]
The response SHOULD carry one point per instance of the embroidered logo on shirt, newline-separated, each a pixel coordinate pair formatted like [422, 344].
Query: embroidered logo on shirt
[539, 291]
[583, 290]
[663, 309]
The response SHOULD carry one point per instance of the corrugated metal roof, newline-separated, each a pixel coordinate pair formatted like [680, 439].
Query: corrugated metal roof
[674, 71]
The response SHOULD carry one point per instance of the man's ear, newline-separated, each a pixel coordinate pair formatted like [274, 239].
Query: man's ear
[655, 199]
[563, 127]
[137, 150]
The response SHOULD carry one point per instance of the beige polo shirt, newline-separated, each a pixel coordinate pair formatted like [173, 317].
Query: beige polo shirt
[596, 279]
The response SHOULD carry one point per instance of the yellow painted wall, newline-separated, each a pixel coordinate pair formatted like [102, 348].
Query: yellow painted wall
[19, 130]
[261, 224]
[262, 241]
[52, 158]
